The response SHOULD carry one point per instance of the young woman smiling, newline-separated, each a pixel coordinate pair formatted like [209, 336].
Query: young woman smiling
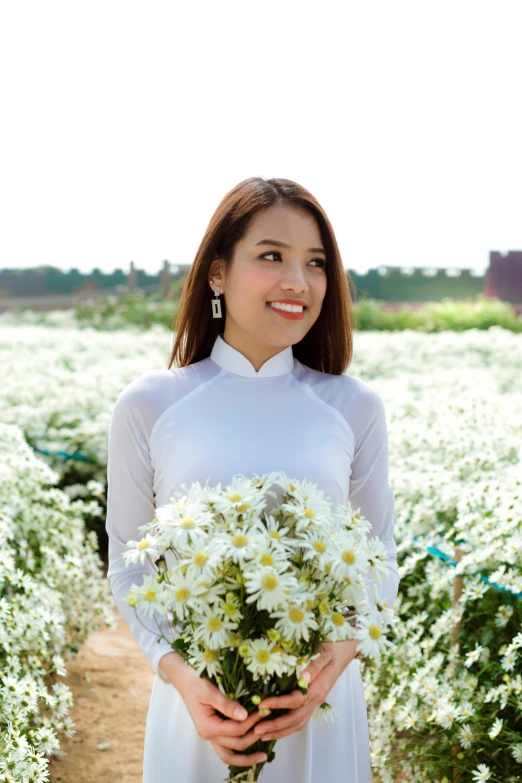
[259, 383]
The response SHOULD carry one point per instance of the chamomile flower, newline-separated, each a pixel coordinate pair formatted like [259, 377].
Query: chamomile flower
[295, 621]
[466, 736]
[308, 504]
[473, 656]
[271, 527]
[202, 560]
[317, 546]
[229, 607]
[349, 558]
[325, 712]
[267, 552]
[148, 596]
[263, 658]
[496, 728]
[184, 591]
[372, 642]
[509, 660]
[238, 545]
[140, 550]
[180, 523]
[269, 587]
[213, 629]
[205, 660]
[337, 628]
[481, 773]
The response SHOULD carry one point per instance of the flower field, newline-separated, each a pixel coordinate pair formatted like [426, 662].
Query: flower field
[445, 705]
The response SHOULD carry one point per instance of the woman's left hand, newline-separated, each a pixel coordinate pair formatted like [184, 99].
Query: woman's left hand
[323, 672]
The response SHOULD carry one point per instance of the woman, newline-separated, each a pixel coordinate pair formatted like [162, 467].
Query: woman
[263, 339]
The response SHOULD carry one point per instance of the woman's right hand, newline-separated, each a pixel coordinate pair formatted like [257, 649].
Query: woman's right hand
[232, 733]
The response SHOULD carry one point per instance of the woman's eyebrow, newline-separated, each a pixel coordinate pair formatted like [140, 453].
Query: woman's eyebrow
[283, 244]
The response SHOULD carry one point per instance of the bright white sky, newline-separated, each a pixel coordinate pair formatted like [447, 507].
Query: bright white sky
[124, 124]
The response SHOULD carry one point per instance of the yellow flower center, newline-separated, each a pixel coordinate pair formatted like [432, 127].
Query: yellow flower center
[269, 582]
[235, 497]
[349, 556]
[150, 595]
[243, 507]
[144, 544]
[338, 619]
[292, 487]
[323, 607]
[210, 656]
[263, 656]
[200, 559]
[309, 513]
[277, 649]
[214, 624]
[267, 560]
[296, 615]
[230, 609]
[235, 640]
[182, 594]
[275, 534]
[187, 523]
[239, 540]
[375, 632]
[320, 546]
[310, 604]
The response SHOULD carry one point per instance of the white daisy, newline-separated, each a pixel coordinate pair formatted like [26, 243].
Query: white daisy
[349, 558]
[466, 736]
[202, 560]
[146, 547]
[263, 658]
[239, 545]
[268, 587]
[268, 552]
[180, 523]
[473, 656]
[206, 659]
[481, 773]
[295, 621]
[325, 712]
[316, 545]
[213, 629]
[371, 639]
[496, 728]
[148, 596]
[184, 591]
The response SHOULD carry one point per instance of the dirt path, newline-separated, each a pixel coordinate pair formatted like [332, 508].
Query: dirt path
[111, 682]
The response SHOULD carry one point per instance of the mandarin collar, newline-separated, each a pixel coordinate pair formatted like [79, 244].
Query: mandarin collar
[232, 360]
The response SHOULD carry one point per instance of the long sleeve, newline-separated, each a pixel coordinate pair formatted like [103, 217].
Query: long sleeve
[371, 491]
[130, 503]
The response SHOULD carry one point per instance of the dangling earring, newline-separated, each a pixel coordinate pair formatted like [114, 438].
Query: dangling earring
[216, 304]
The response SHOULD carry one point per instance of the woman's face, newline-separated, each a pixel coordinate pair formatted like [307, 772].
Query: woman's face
[262, 271]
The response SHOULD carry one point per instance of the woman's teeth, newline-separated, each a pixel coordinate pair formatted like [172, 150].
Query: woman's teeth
[288, 308]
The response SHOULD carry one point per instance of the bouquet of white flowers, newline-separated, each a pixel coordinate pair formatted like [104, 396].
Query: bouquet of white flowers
[253, 593]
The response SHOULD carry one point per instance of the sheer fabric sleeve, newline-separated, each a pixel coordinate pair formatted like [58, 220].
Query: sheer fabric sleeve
[130, 503]
[371, 491]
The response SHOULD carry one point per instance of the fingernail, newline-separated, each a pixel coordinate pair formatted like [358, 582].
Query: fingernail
[240, 713]
[306, 676]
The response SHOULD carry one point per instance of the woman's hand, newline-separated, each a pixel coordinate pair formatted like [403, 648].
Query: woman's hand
[203, 700]
[321, 674]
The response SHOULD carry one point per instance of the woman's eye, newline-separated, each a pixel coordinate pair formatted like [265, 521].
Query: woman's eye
[274, 253]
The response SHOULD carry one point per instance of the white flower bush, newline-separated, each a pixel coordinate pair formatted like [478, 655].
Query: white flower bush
[52, 595]
[451, 689]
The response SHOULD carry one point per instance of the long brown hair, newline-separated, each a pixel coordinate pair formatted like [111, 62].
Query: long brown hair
[328, 344]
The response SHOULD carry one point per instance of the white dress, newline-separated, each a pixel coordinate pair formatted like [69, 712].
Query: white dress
[211, 420]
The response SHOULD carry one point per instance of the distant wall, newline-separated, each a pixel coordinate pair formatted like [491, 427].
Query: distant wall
[393, 284]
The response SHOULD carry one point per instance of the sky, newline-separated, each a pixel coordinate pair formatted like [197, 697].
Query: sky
[124, 124]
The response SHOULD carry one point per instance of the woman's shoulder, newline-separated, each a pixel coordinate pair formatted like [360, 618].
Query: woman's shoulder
[345, 387]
